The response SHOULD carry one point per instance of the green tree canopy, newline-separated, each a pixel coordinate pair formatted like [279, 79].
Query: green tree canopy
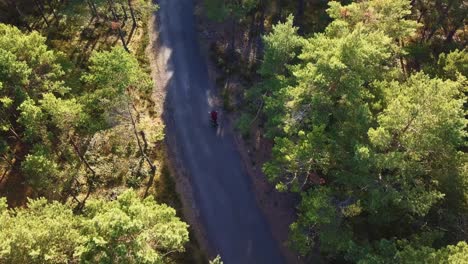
[126, 230]
[112, 74]
[36, 108]
[129, 230]
[375, 152]
[41, 233]
[27, 69]
[281, 46]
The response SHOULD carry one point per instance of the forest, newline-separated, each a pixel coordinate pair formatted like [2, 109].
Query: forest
[363, 104]
[79, 137]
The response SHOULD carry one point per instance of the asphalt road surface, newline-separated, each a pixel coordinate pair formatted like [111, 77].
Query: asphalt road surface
[234, 224]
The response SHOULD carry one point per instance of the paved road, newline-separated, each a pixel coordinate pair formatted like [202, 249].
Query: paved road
[234, 224]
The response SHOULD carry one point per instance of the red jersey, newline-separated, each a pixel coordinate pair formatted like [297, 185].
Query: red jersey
[214, 115]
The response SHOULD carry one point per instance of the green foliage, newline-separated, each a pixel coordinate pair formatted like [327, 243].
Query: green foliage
[244, 124]
[115, 86]
[40, 171]
[454, 63]
[443, 32]
[50, 111]
[127, 230]
[53, 126]
[27, 62]
[27, 69]
[390, 17]
[331, 94]
[115, 71]
[50, 140]
[418, 138]
[34, 108]
[448, 255]
[31, 117]
[215, 10]
[375, 151]
[41, 233]
[281, 47]
[319, 212]
[112, 74]
[62, 113]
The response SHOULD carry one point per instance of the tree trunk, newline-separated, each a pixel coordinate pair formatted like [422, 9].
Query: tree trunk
[22, 16]
[443, 13]
[141, 149]
[15, 134]
[52, 9]
[280, 11]
[93, 5]
[431, 34]
[451, 33]
[82, 158]
[7, 160]
[91, 188]
[403, 68]
[134, 22]
[132, 13]
[114, 14]
[299, 15]
[153, 168]
[41, 10]
[124, 12]
[91, 8]
[90, 180]
[130, 35]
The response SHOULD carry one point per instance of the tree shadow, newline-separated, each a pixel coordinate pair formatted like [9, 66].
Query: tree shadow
[130, 35]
